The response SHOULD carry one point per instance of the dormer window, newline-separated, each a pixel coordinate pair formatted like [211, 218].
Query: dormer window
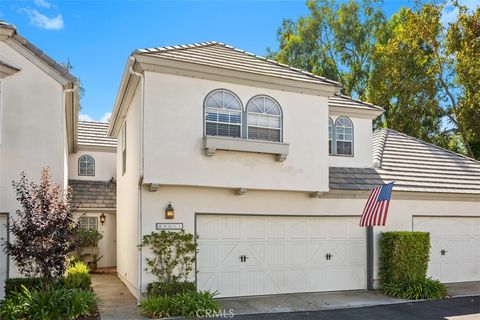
[223, 114]
[86, 165]
[343, 136]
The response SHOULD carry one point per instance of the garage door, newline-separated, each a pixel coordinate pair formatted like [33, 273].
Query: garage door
[455, 243]
[3, 256]
[256, 255]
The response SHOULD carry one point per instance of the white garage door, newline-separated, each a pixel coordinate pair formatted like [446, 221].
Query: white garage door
[3, 256]
[455, 243]
[255, 255]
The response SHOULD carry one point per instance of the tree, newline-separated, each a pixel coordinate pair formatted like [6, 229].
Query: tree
[336, 40]
[44, 229]
[463, 91]
[404, 79]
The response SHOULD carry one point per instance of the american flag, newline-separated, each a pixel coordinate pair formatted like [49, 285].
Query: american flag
[376, 209]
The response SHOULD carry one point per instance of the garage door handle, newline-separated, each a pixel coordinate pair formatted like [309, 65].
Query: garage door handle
[442, 252]
[243, 258]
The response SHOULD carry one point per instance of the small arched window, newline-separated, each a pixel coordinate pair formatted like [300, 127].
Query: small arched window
[344, 136]
[264, 119]
[86, 165]
[223, 114]
[330, 135]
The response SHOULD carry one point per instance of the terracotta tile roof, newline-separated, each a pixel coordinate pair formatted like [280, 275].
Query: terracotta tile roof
[220, 55]
[415, 165]
[91, 133]
[87, 194]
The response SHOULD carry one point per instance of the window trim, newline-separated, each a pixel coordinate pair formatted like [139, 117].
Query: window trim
[86, 173]
[280, 116]
[241, 111]
[334, 136]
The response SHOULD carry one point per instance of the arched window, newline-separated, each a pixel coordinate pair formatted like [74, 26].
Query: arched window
[223, 114]
[264, 119]
[86, 165]
[344, 136]
[330, 135]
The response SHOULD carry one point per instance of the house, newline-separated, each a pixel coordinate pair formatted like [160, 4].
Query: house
[91, 172]
[39, 102]
[38, 117]
[270, 167]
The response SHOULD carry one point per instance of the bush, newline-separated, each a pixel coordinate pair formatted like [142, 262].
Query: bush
[426, 288]
[159, 289]
[15, 285]
[173, 254]
[189, 304]
[78, 276]
[58, 303]
[404, 256]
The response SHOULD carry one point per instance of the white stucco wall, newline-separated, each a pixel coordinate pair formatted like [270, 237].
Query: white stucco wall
[189, 201]
[105, 164]
[107, 246]
[33, 127]
[362, 145]
[174, 133]
[128, 213]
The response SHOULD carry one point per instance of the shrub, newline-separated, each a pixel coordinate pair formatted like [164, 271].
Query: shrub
[404, 256]
[58, 303]
[158, 289]
[173, 254]
[78, 276]
[15, 285]
[189, 304]
[43, 232]
[426, 288]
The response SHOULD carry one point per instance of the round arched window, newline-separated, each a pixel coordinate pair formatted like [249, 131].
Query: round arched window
[86, 165]
[223, 114]
[344, 136]
[264, 119]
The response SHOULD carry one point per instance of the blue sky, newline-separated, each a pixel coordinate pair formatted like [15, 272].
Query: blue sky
[97, 36]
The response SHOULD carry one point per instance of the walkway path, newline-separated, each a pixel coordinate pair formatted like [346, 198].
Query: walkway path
[117, 302]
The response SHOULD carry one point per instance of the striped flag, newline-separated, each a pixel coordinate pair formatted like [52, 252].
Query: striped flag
[376, 209]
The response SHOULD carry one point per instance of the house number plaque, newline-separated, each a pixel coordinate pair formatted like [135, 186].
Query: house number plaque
[169, 226]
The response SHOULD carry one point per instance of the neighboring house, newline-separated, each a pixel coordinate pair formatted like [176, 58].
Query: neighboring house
[38, 117]
[271, 167]
[91, 173]
[38, 128]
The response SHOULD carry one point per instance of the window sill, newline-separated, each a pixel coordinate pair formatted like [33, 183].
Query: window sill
[212, 144]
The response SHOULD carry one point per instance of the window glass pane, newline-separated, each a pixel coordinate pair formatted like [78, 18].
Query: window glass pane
[344, 148]
[256, 133]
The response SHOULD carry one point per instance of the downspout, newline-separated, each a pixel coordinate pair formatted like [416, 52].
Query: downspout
[64, 98]
[140, 182]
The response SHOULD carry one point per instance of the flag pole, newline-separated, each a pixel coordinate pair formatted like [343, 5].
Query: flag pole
[370, 258]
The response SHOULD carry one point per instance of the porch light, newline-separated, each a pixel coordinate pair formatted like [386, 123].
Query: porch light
[169, 211]
[103, 217]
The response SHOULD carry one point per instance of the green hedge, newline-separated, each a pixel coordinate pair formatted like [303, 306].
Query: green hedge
[14, 285]
[404, 256]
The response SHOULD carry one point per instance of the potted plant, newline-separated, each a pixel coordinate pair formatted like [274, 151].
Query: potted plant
[88, 243]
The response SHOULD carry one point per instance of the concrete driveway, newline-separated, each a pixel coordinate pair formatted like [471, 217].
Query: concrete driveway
[327, 300]
[462, 308]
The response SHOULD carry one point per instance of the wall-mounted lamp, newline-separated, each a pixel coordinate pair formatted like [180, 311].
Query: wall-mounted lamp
[103, 217]
[169, 212]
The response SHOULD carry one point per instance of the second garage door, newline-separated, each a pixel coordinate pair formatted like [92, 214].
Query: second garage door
[256, 255]
[455, 243]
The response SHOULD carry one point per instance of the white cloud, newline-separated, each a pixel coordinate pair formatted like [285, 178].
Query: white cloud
[449, 13]
[84, 117]
[43, 3]
[105, 118]
[42, 21]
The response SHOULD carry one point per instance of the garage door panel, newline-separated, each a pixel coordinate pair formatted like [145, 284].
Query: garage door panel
[285, 255]
[459, 238]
